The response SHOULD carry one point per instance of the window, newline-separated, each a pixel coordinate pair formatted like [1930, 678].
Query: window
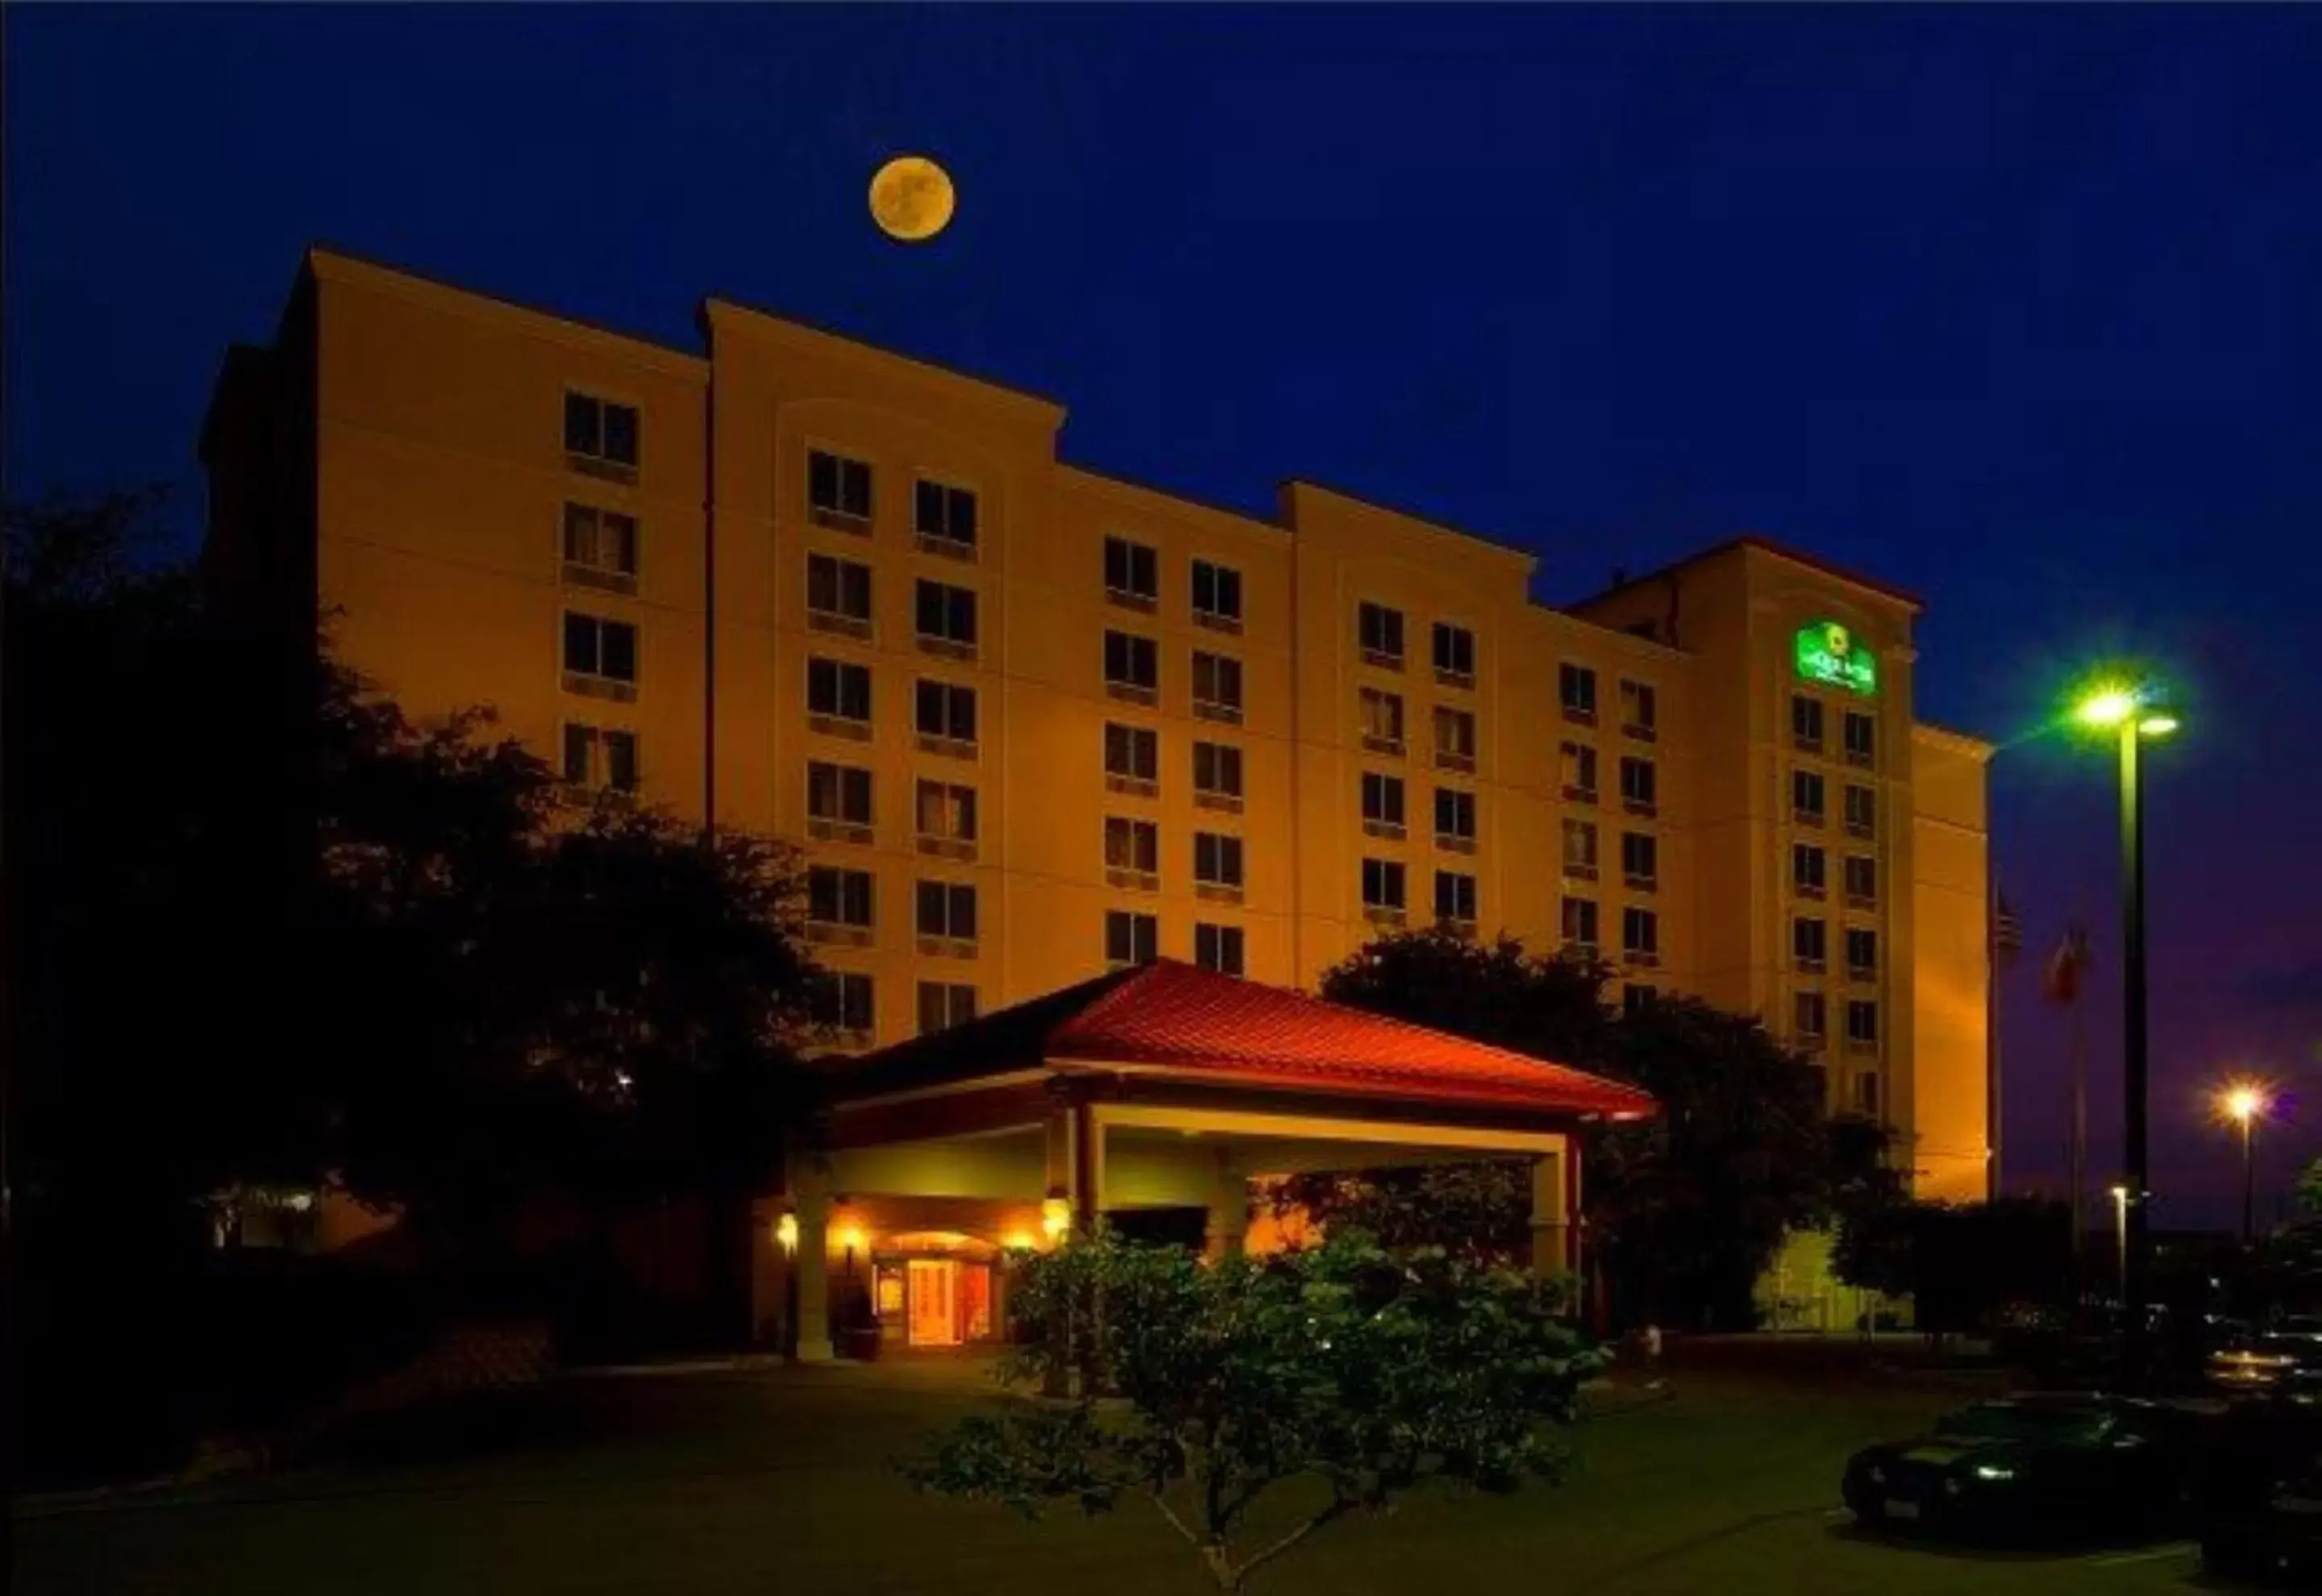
[600, 543]
[1383, 886]
[1805, 722]
[835, 691]
[1580, 850]
[945, 710]
[1809, 941]
[1640, 709]
[600, 759]
[1861, 812]
[838, 490]
[1455, 739]
[839, 589]
[1576, 689]
[1455, 655]
[1218, 948]
[943, 1004]
[1866, 1093]
[599, 430]
[1862, 953]
[1382, 721]
[1861, 735]
[1217, 861]
[1580, 925]
[1862, 880]
[1217, 772]
[946, 811]
[1640, 858]
[1217, 686]
[1132, 938]
[1379, 630]
[1455, 896]
[836, 897]
[1861, 1024]
[1132, 573]
[946, 615]
[1807, 865]
[1217, 595]
[1634, 998]
[1132, 846]
[597, 647]
[1805, 798]
[1382, 803]
[1579, 772]
[947, 910]
[1640, 785]
[1132, 667]
[1809, 1016]
[945, 513]
[1132, 758]
[841, 1000]
[1641, 935]
[838, 794]
[1455, 817]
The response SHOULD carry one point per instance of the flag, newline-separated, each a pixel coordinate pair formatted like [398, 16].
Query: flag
[2067, 966]
[2006, 931]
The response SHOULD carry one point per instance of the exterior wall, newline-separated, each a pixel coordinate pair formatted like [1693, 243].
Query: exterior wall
[438, 478]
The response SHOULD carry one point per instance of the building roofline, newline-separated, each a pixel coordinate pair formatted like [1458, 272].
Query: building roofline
[318, 254]
[1779, 551]
[1428, 523]
[1961, 742]
[1151, 491]
[1051, 410]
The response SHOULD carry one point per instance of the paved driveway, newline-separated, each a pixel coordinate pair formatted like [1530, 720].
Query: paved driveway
[779, 1481]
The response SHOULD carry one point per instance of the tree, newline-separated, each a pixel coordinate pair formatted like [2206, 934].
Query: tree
[1362, 1373]
[1479, 1211]
[1959, 1262]
[1496, 992]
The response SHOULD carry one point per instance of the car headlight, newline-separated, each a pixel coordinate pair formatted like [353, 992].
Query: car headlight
[1994, 1471]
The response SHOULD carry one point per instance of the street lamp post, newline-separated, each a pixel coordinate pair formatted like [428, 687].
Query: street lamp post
[2120, 1237]
[2245, 1106]
[2135, 713]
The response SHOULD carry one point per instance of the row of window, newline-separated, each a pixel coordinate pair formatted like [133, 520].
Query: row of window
[1576, 692]
[1640, 930]
[838, 495]
[1860, 731]
[1808, 869]
[1386, 893]
[838, 600]
[1808, 799]
[1810, 947]
[1810, 1021]
[1640, 854]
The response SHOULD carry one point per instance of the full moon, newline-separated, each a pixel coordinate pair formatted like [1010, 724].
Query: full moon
[911, 198]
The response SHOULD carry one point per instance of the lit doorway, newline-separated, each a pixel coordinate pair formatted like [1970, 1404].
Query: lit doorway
[933, 1315]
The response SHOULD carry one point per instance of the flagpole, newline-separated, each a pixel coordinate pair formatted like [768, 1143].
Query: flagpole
[1994, 1186]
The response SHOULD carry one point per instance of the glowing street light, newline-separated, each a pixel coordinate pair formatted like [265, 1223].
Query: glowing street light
[2120, 1233]
[2246, 1102]
[2134, 710]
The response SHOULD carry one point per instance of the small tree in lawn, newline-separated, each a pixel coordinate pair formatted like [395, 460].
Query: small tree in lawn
[1342, 1374]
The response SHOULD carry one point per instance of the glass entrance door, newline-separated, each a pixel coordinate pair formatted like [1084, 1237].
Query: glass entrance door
[934, 1318]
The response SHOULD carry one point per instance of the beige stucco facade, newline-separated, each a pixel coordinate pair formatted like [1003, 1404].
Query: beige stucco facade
[397, 465]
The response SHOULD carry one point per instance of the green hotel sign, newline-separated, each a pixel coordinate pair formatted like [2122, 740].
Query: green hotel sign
[1827, 653]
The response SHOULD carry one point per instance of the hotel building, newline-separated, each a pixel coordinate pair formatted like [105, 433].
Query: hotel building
[1029, 722]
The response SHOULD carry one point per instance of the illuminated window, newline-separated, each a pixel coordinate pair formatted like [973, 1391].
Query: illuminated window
[1218, 948]
[838, 490]
[1132, 665]
[1805, 798]
[1217, 859]
[841, 1001]
[1640, 858]
[1455, 655]
[1382, 885]
[600, 759]
[1641, 935]
[1132, 845]
[1576, 689]
[836, 897]
[1455, 896]
[1809, 1016]
[1379, 630]
[1217, 595]
[1217, 771]
[1809, 942]
[1455, 816]
[1862, 953]
[943, 1004]
[1807, 863]
[1580, 925]
[947, 909]
[1132, 755]
[839, 588]
[1640, 785]
[944, 512]
[1861, 733]
[1132, 572]
[1217, 686]
[946, 811]
[1455, 739]
[599, 650]
[1382, 720]
[1579, 762]
[945, 710]
[1640, 709]
[1580, 849]
[601, 542]
[840, 793]
[946, 613]
[601, 429]
[1132, 938]
[1862, 880]
[1382, 803]
[1805, 722]
[837, 690]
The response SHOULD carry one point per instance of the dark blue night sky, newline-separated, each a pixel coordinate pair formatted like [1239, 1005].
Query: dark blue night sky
[2021, 308]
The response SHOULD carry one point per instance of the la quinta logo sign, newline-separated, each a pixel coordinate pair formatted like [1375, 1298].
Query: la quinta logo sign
[1828, 654]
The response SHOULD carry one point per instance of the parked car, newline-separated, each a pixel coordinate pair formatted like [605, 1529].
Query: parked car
[2043, 1464]
[2261, 1497]
[2286, 1359]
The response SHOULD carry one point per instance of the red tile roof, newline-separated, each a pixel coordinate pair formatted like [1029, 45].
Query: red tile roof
[1197, 1023]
